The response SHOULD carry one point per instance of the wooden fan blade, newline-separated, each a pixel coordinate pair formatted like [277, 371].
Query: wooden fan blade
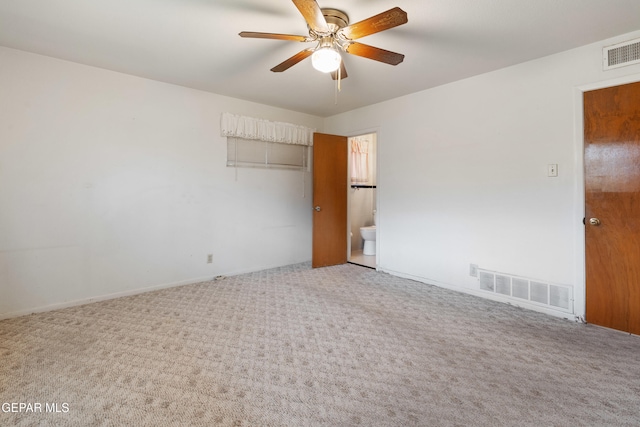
[383, 21]
[274, 36]
[292, 61]
[343, 72]
[374, 53]
[313, 15]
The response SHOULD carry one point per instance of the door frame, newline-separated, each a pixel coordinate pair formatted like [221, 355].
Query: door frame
[579, 292]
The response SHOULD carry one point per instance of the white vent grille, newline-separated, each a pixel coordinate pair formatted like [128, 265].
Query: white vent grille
[520, 288]
[621, 54]
[557, 297]
[503, 284]
[486, 281]
[539, 292]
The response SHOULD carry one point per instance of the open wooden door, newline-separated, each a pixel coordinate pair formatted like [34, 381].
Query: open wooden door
[612, 184]
[330, 169]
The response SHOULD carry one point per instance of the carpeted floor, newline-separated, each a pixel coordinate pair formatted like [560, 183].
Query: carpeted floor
[295, 346]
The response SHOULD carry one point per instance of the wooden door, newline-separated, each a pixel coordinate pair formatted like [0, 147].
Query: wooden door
[329, 200]
[612, 184]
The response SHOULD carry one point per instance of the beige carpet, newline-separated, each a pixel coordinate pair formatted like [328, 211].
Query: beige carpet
[292, 346]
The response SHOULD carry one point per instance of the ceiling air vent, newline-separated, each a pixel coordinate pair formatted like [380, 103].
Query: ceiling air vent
[621, 54]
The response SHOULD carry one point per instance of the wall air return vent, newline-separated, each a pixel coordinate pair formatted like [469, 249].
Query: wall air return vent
[521, 289]
[487, 281]
[621, 54]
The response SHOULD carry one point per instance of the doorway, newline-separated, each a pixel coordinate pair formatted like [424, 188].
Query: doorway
[363, 201]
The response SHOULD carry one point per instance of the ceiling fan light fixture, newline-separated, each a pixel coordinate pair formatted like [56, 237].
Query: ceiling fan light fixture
[326, 59]
[331, 29]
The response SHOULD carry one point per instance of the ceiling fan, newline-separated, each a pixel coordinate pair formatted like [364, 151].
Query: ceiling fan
[331, 29]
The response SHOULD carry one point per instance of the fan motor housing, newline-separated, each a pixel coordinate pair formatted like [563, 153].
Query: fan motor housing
[336, 19]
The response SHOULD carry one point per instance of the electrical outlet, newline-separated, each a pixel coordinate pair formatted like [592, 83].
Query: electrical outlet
[209, 258]
[473, 270]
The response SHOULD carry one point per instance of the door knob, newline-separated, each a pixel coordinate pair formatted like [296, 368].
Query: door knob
[594, 221]
[317, 208]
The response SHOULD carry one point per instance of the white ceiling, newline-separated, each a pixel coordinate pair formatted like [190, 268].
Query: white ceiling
[195, 43]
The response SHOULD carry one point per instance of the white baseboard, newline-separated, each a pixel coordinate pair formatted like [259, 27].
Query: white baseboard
[130, 292]
[104, 297]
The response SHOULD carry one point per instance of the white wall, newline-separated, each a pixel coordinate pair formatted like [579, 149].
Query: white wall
[462, 172]
[110, 184]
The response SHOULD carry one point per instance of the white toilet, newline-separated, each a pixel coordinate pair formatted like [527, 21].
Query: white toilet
[369, 236]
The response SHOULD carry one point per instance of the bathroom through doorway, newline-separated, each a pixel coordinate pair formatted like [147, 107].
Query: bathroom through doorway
[362, 203]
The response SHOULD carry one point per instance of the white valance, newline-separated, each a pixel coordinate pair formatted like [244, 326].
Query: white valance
[264, 130]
